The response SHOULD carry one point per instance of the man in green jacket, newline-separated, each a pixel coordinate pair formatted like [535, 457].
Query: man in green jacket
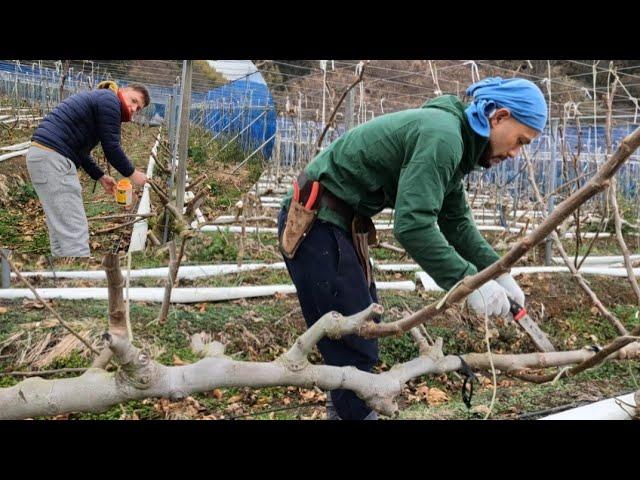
[413, 161]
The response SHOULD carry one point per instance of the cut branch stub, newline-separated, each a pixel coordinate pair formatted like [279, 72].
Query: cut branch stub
[115, 283]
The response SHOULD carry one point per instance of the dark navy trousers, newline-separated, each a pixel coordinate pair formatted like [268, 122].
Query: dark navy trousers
[328, 276]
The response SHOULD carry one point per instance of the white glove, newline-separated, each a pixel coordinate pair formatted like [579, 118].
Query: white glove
[490, 296]
[513, 290]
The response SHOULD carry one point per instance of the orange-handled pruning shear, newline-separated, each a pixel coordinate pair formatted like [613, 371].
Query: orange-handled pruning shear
[313, 196]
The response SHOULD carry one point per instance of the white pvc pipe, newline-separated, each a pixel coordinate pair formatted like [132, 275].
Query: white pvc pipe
[600, 260]
[428, 283]
[21, 119]
[7, 156]
[396, 267]
[607, 271]
[271, 205]
[140, 229]
[178, 295]
[603, 410]
[271, 199]
[381, 227]
[200, 216]
[17, 146]
[518, 225]
[587, 235]
[185, 271]
[236, 229]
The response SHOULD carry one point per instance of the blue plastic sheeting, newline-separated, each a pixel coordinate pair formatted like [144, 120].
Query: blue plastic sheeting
[243, 105]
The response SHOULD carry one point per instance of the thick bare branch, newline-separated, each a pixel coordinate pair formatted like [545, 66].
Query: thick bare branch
[173, 271]
[141, 377]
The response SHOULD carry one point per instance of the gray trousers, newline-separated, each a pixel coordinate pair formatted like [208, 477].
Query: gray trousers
[55, 180]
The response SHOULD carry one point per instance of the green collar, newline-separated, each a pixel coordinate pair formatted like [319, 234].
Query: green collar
[474, 144]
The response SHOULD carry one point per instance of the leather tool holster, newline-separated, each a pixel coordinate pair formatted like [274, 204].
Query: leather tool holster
[363, 233]
[299, 222]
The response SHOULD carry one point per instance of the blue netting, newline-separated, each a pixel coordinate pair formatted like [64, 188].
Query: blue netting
[243, 106]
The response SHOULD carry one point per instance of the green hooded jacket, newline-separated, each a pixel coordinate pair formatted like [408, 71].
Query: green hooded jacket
[414, 161]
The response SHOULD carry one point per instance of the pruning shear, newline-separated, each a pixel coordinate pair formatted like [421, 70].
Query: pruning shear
[313, 196]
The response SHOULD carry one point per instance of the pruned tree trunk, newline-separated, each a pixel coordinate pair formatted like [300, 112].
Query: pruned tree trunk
[173, 273]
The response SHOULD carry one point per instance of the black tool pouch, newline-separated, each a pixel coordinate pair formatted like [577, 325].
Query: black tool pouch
[363, 234]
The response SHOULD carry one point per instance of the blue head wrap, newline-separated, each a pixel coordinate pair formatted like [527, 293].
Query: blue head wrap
[521, 97]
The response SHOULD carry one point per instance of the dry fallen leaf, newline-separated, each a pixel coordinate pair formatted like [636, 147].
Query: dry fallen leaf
[235, 398]
[423, 391]
[307, 394]
[436, 396]
[178, 361]
[217, 393]
[32, 304]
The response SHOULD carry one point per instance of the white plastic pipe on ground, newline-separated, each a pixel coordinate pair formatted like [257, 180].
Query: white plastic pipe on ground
[185, 271]
[607, 409]
[428, 283]
[607, 271]
[140, 229]
[17, 146]
[7, 156]
[237, 229]
[271, 199]
[600, 260]
[178, 295]
[21, 119]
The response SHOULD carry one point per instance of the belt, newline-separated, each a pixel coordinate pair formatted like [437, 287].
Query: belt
[39, 145]
[326, 199]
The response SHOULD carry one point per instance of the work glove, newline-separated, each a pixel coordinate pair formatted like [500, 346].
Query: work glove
[490, 298]
[513, 290]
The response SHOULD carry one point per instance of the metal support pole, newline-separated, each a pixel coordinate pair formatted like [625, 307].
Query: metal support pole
[183, 139]
[168, 117]
[551, 181]
[348, 115]
[5, 278]
[173, 144]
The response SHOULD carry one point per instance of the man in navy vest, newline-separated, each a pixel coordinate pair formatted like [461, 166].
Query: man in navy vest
[63, 142]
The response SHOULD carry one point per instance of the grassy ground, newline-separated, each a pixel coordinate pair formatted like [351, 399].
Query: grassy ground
[261, 329]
